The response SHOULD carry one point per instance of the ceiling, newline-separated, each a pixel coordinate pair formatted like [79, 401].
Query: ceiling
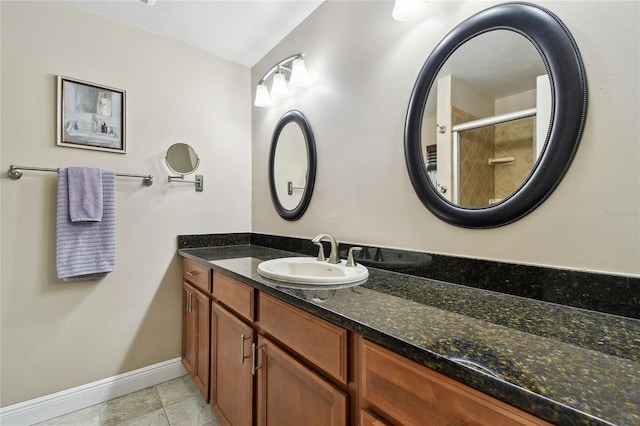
[241, 31]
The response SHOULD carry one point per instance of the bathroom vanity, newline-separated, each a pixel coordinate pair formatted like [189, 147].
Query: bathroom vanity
[382, 353]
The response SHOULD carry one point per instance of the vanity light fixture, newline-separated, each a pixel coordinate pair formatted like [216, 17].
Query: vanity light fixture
[291, 71]
[408, 10]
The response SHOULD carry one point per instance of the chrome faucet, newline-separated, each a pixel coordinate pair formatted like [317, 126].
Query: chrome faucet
[333, 257]
[351, 262]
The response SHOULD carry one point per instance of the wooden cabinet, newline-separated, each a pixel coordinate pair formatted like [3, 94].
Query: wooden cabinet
[411, 394]
[265, 362]
[287, 390]
[289, 393]
[232, 368]
[196, 323]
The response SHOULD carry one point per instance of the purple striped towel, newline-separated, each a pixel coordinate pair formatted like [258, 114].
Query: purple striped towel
[86, 250]
[85, 194]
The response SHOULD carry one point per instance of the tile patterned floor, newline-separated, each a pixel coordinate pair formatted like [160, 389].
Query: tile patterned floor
[174, 403]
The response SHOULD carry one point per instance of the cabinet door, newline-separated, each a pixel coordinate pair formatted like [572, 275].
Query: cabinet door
[196, 338]
[189, 327]
[201, 305]
[231, 368]
[291, 394]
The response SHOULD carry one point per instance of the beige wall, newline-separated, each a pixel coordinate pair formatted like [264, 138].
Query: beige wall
[365, 64]
[55, 334]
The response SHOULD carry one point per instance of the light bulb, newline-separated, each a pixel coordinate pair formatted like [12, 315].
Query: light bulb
[299, 75]
[262, 96]
[279, 87]
[407, 10]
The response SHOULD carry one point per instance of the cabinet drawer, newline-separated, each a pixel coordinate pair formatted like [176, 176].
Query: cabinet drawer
[369, 419]
[316, 340]
[234, 294]
[413, 394]
[199, 276]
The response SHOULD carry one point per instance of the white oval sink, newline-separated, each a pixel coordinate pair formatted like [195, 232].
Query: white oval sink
[308, 270]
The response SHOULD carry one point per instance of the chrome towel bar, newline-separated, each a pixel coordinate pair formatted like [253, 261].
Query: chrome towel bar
[15, 172]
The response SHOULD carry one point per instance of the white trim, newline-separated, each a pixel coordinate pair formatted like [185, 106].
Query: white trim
[70, 400]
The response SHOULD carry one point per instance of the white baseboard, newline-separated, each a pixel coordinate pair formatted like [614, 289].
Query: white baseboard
[69, 400]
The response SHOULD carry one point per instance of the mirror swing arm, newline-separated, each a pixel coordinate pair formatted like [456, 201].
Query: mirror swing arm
[199, 182]
[565, 68]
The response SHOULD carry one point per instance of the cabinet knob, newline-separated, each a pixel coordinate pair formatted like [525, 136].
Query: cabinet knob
[192, 273]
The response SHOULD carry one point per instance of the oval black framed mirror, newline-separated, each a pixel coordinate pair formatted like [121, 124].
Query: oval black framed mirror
[435, 146]
[182, 159]
[292, 165]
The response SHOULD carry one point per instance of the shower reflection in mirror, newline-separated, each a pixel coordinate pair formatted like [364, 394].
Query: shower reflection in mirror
[484, 130]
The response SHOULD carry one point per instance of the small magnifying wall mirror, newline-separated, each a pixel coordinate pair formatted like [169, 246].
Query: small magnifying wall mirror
[182, 159]
[495, 116]
[292, 165]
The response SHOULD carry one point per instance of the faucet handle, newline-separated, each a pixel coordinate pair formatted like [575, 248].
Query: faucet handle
[321, 257]
[350, 261]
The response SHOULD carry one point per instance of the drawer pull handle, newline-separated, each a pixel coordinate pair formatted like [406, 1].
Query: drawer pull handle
[189, 307]
[192, 273]
[255, 349]
[242, 355]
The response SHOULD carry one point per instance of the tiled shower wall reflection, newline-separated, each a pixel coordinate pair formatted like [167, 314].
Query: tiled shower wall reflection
[513, 139]
[477, 181]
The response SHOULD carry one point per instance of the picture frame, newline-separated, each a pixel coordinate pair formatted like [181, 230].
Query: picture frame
[91, 116]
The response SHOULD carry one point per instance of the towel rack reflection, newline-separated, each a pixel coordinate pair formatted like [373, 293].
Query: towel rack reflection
[15, 172]
[290, 188]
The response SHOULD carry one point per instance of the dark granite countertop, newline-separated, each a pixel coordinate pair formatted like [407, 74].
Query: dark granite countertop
[568, 365]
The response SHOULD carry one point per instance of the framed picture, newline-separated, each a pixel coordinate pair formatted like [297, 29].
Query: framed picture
[91, 116]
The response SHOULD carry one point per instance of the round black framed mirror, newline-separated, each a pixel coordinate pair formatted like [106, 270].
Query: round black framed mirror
[566, 114]
[292, 165]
